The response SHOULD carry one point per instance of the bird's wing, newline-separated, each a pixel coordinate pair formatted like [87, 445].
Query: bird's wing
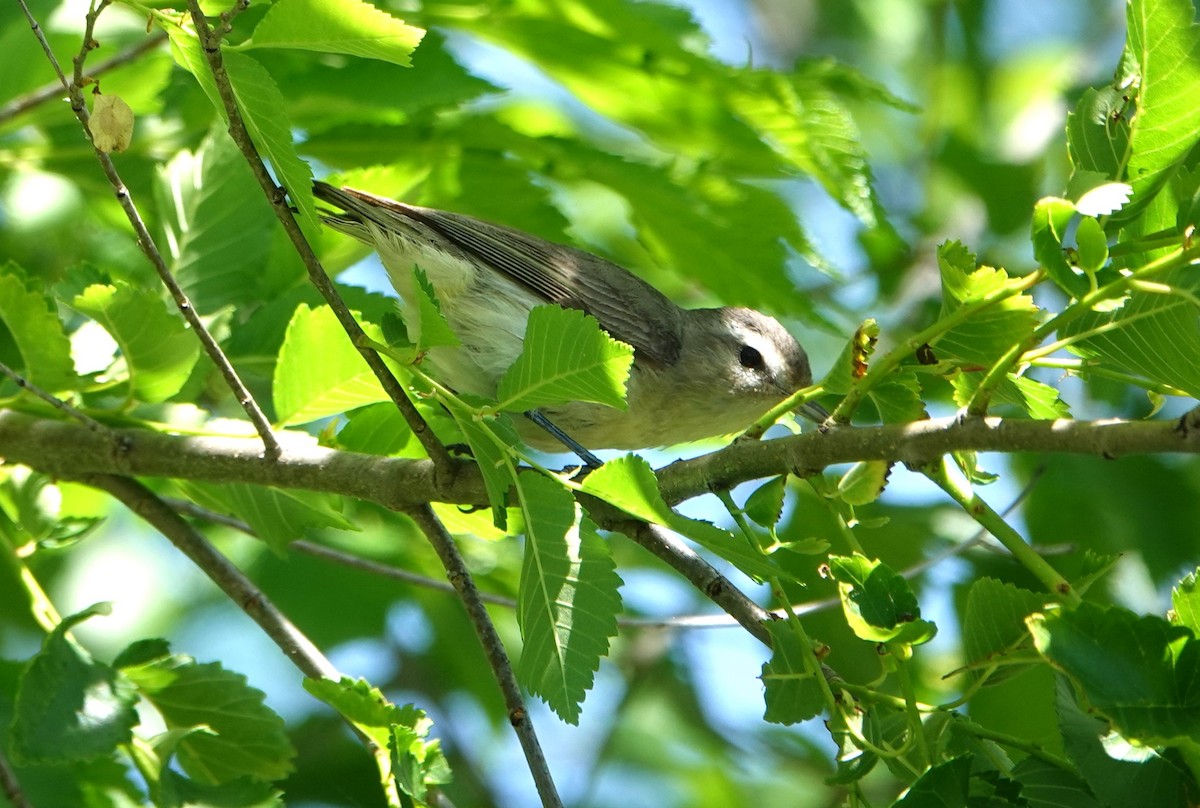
[627, 307]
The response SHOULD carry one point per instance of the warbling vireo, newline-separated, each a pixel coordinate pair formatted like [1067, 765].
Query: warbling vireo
[696, 373]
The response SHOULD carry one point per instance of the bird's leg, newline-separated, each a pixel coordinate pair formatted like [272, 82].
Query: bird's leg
[589, 459]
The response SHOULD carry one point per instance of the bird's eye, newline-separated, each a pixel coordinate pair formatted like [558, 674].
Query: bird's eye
[750, 358]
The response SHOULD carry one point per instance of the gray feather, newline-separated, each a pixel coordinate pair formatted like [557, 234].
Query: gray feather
[627, 307]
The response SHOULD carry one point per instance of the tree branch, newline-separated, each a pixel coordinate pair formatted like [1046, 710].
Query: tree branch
[702, 575]
[54, 89]
[493, 648]
[210, 42]
[53, 401]
[920, 442]
[71, 451]
[145, 241]
[66, 450]
[240, 589]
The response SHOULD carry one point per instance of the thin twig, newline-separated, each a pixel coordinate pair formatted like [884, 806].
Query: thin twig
[24, 103]
[388, 571]
[300, 650]
[514, 702]
[55, 401]
[240, 589]
[702, 575]
[444, 465]
[41, 38]
[145, 240]
[336, 556]
[11, 787]
[810, 606]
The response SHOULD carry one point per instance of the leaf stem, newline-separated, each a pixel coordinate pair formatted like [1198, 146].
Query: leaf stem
[882, 367]
[1083, 367]
[1169, 237]
[911, 709]
[961, 492]
[781, 409]
[1030, 748]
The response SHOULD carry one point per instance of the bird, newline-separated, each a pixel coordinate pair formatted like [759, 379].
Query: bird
[696, 373]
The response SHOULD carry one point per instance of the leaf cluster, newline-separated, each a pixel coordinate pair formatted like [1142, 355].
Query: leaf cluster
[683, 157]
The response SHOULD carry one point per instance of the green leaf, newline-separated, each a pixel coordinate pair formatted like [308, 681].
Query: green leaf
[1033, 398]
[864, 482]
[68, 706]
[367, 708]
[142, 651]
[878, 602]
[1098, 131]
[337, 26]
[478, 524]
[218, 225]
[1141, 672]
[765, 505]
[828, 146]
[566, 357]
[1185, 603]
[177, 791]
[1163, 41]
[319, 372]
[1093, 245]
[1151, 335]
[897, 398]
[1153, 780]
[262, 108]
[29, 316]
[395, 332]
[185, 48]
[568, 600]
[994, 625]
[249, 738]
[277, 516]
[1044, 785]
[431, 328]
[793, 693]
[415, 762]
[491, 439]
[629, 484]
[945, 785]
[158, 348]
[266, 118]
[330, 92]
[379, 429]
[986, 335]
[39, 513]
